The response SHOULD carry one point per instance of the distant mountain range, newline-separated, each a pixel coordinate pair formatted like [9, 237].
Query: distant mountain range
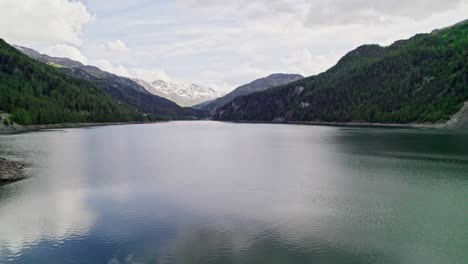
[159, 98]
[422, 79]
[255, 86]
[121, 88]
[184, 94]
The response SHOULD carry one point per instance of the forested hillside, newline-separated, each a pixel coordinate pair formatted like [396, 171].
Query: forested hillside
[128, 91]
[120, 88]
[36, 93]
[252, 87]
[422, 79]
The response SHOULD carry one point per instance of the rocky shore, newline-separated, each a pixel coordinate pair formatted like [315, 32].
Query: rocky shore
[15, 129]
[11, 171]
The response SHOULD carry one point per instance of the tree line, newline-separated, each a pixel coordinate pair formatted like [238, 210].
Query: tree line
[422, 79]
[36, 93]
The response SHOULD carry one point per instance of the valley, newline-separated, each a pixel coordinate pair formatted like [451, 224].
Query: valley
[419, 82]
[233, 132]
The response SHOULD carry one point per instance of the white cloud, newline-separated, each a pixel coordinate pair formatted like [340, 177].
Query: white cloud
[245, 71]
[146, 74]
[229, 43]
[65, 213]
[43, 21]
[218, 85]
[297, 36]
[304, 62]
[107, 66]
[150, 75]
[323, 12]
[359, 11]
[116, 46]
[65, 51]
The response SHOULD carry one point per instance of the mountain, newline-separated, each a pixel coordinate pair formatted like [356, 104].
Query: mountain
[120, 88]
[422, 79]
[255, 86]
[36, 93]
[184, 94]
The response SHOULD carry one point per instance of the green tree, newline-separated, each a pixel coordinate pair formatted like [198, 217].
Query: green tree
[36, 93]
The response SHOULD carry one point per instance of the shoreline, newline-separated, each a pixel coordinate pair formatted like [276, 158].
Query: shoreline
[11, 171]
[451, 124]
[18, 129]
[347, 124]
[458, 120]
[376, 125]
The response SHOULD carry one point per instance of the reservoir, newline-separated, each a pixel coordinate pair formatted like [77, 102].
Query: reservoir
[211, 192]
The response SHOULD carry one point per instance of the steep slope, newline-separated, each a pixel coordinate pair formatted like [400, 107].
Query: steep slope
[422, 79]
[460, 119]
[255, 86]
[184, 94]
[120, 88]
[36, 93]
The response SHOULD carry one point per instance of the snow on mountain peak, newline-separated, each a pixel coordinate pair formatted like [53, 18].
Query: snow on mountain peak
[183, 93]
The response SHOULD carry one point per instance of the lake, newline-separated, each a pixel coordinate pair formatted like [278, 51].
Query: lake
[210, 192]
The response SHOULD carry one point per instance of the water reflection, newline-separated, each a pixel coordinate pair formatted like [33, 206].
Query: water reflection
[43, 208]
[207, 192]
[268, 246]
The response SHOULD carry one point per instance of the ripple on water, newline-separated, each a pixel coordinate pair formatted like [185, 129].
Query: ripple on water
[208, 192]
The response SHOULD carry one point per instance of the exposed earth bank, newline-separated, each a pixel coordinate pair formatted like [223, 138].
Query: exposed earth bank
[15, 128]
[11, 171]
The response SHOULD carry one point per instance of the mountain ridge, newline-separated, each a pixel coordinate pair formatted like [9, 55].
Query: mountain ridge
[120, 88]
[37, 93]
[418, 80]
[254, 86]
[182, 93]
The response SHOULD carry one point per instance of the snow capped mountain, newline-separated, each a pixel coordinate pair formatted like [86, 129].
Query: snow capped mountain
[184, 94]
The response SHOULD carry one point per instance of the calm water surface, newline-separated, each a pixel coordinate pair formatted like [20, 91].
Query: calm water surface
[208, 192]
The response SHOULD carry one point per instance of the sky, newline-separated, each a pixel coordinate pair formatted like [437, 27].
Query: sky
[222, 44]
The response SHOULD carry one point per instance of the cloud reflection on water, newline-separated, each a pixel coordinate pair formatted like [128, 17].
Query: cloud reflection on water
[52, 205]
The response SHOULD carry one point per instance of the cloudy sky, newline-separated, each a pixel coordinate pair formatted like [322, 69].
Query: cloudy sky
[218, 43]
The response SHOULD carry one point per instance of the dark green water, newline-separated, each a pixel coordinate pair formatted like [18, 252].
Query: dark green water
[208, 192]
